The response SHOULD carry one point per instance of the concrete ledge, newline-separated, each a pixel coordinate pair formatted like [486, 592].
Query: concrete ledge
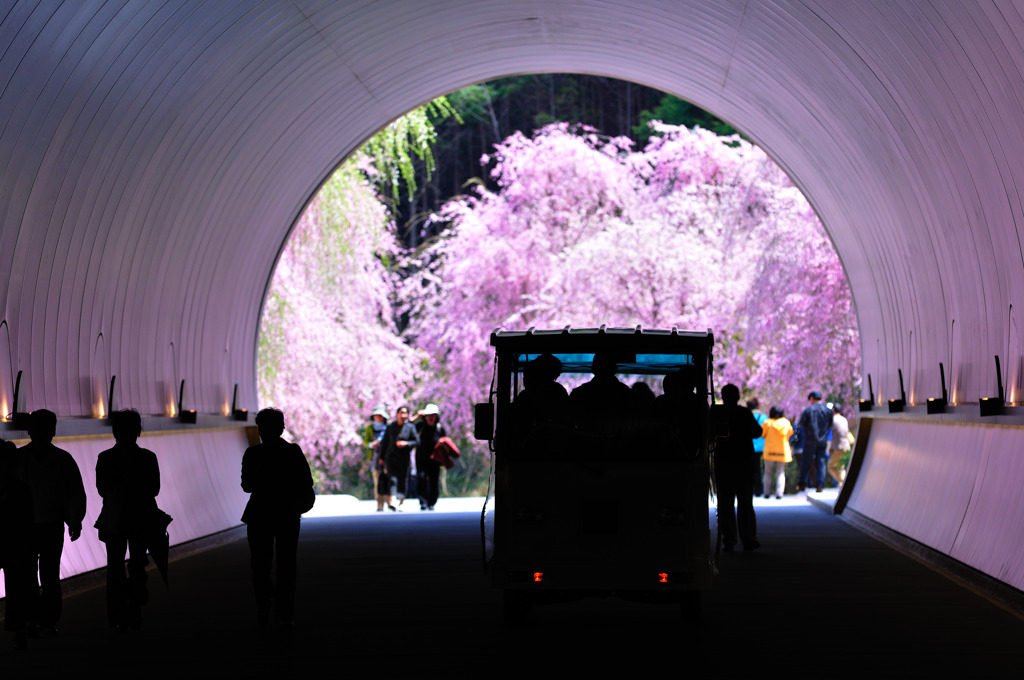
[100, 427]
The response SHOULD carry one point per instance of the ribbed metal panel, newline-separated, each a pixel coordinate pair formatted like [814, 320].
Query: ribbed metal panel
[953, 487]
[156, 155]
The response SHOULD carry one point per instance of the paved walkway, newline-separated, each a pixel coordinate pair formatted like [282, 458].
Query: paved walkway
[405, 592]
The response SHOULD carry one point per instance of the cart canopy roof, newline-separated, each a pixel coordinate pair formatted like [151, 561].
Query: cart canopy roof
[637, 351]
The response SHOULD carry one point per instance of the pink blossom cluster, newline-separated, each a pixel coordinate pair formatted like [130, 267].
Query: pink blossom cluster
[695, 231]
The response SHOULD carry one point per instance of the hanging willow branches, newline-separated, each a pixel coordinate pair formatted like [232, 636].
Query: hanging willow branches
[393, 149]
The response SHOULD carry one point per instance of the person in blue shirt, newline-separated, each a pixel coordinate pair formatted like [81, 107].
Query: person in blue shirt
[754, 405]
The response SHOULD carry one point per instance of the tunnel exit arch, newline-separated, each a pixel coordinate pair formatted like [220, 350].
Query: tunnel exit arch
[154, 155]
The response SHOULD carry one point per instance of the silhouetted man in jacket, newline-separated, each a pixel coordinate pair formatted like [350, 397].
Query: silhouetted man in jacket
[816, 421]
[734, 455]
[58, 499]
[277, 477]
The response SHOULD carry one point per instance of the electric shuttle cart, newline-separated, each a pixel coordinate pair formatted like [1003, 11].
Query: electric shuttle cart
[607, 498]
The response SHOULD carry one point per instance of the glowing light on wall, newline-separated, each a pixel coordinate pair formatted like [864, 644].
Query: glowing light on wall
[99, 406]
[6, 374]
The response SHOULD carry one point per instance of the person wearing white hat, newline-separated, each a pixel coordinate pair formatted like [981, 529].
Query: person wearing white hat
[428, 470]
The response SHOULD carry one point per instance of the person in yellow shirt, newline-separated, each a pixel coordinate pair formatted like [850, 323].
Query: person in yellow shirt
[776, 432]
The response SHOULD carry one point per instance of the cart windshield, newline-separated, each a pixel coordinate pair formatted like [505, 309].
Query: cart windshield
[633, 364]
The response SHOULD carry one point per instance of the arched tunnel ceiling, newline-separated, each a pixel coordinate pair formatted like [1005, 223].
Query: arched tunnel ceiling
[155, 155]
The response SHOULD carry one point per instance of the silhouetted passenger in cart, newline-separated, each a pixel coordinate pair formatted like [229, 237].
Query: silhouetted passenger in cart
[599, 405]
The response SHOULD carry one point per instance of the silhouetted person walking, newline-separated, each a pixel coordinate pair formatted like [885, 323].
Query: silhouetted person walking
[276, 475]
[400, 438]
[58, 499]
[16, 558]
[816, 422]
[128, 480]
[430, 432]
[372, 435]
[733, 456]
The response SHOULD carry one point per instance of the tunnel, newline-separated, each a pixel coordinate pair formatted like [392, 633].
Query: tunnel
[156, 155]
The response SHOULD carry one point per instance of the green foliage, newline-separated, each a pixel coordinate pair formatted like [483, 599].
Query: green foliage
[353, 479]
[392, 149]
[471, 104]
[675, 111]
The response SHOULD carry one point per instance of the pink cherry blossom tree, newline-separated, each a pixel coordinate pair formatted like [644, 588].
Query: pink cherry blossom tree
[695, 231]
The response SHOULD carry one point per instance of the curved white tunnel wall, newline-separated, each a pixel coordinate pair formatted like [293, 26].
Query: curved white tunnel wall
[955, 487]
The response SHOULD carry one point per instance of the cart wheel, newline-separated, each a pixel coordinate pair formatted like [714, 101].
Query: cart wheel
[690, 605]
[516, 605]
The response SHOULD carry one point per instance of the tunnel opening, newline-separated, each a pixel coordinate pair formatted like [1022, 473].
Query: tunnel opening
[734, 210]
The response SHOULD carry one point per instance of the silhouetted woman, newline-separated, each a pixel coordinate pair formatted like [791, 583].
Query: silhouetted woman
[277, 477]
[400, 438]
[428, 470]
[128, 480]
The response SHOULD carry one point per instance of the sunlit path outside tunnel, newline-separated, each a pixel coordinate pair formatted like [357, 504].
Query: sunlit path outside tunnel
[348, 506]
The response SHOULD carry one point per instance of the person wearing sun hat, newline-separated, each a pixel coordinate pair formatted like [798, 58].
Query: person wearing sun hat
[372, 434]
[428, 470]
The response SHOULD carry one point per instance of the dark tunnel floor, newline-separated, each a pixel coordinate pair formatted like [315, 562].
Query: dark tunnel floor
[405, 592]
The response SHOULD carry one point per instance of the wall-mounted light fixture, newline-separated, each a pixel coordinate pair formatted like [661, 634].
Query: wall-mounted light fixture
[114, 396]
[938, 404]
[183, 415]
[868, 404]
[993, 406]
[237, 413]
[897, 405]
